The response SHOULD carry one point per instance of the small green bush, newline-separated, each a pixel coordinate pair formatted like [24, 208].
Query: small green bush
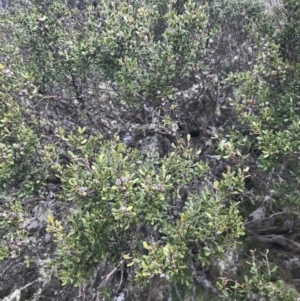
[21, 168]
[130, 207]
[128, 43]
[257, 287]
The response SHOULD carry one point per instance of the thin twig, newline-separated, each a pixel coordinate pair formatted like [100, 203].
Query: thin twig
[106, 278]
[6, 269]
[121, 281]
[29, 284]
[274, 214]
[177, 293]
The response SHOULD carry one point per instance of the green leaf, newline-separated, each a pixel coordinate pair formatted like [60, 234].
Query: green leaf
[216, 185]
[274, 269]
[208, 215]
[144, 265]
[163, 168]
[145, 245]
[71, 154]
[166, 251]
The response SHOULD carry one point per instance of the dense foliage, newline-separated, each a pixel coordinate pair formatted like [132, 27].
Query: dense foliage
[84, 85]
[134, 207]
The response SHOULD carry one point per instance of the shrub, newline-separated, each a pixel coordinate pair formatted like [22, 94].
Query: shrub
[21, 169]
[18, 142]
[153, 216]
[129, 44]
[257, 287]
[131, 207]
[266, 104]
